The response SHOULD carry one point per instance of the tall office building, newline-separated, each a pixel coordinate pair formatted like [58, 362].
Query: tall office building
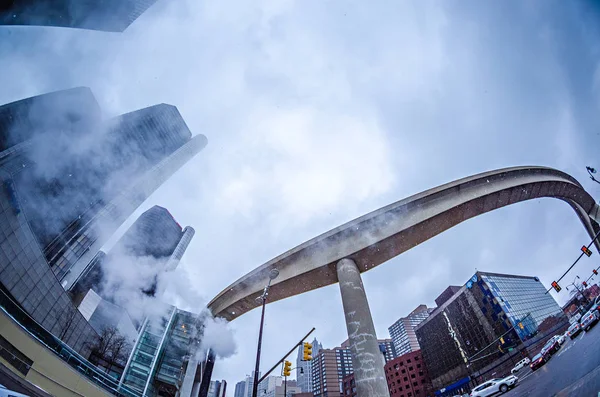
[240, 389]
[324, 371]
[155, 237]
[69, 179]
[105, 15]
[303, 368]
[329, 367]
[483, 328]
[217, 388]
[25, 277]
[403, 330]
[386, 347]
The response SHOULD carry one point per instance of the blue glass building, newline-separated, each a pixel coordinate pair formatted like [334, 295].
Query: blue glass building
[484, 327]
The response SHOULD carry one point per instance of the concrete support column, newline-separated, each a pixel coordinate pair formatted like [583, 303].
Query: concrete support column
[367, 359]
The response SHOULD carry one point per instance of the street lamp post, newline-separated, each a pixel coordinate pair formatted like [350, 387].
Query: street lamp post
[574, 284]
[591, 171]
[272, 275]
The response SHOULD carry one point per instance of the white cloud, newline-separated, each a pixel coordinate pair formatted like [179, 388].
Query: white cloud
[317, 112]
[312, 162]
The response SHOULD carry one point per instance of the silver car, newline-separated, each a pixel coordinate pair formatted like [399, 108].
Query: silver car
[589, 320]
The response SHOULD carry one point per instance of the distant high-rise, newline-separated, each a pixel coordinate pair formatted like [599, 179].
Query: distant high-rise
[244, 387]
[403, 330]
[386, 347]
[105, 15]
[155, 234]
[330, 366]
[68, 181]
[217, 388]
[240, 389]
[303, 368]
[447, 294]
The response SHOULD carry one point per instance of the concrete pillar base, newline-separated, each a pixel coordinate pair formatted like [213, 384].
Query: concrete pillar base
[367, 359]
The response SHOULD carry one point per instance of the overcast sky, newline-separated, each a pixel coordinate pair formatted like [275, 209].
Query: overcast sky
[317, 112]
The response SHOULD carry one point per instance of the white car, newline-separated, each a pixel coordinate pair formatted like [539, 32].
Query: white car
[494, 386]
[521, 364]
[589, 319]
[561, 339]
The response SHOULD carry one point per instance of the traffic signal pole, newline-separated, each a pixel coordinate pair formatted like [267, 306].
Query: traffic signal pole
[286, 355]
[578, 258]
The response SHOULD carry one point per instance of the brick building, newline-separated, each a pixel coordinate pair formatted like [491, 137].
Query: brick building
[406, 377]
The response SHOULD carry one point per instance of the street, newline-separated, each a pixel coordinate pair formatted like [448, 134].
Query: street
[573, 371]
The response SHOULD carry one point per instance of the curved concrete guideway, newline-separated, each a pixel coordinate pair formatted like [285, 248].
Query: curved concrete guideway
[387, 232]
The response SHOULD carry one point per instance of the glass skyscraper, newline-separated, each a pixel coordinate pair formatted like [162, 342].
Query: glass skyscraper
[165, 354]
[66, 175]
[483, 328]
[106, 15]
[155, 234]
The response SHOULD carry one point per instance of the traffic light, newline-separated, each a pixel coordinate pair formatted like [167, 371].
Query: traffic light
[584, 284]
[307, 352]
[287, 368]
[586, 250]
[595, 272]
[556, 286]
[502, 340]
[521, 326]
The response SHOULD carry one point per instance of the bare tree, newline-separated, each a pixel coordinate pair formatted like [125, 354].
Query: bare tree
[66, 321]
[111, 347]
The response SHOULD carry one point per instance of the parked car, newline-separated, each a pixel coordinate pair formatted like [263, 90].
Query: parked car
[596, 305]
[589, 319]
[539, 360]
[574, 329]
[493, 386]
[524, 362]
[551, 346]
[561, 339]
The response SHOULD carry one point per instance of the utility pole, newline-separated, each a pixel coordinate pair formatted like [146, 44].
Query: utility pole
[272, 274]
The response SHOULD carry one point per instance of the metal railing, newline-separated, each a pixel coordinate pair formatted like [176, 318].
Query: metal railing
[62, 350]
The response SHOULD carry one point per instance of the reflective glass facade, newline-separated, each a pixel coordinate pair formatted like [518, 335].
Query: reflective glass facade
[53, 197]
[160, 357]
[105, 15]
[525, 302]
[483, 323]
[26, 279]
